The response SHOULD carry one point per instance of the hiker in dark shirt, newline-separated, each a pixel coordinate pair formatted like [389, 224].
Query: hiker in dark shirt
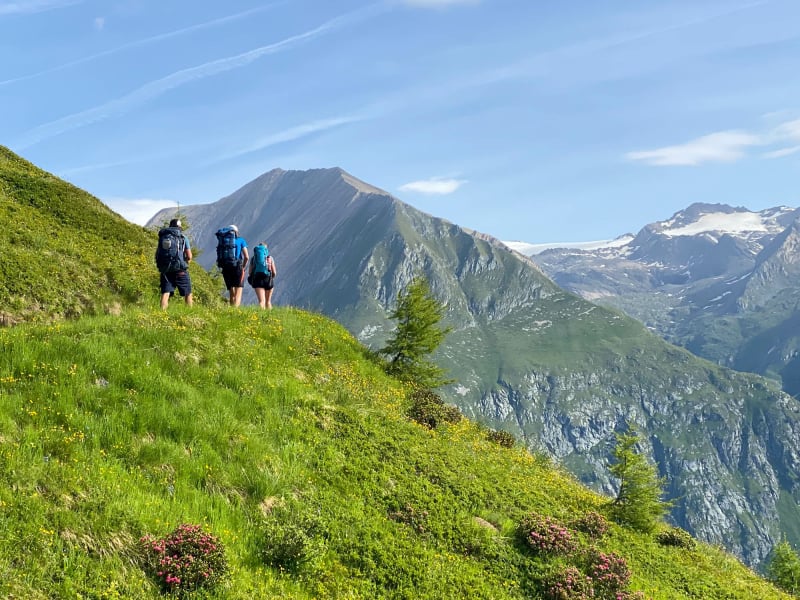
[173, 256]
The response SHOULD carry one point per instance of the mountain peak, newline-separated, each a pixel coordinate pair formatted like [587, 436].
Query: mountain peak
[362, 186]
[321, 175]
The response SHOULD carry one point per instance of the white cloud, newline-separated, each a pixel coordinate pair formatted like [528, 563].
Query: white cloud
[159, 87]
[33, 6]
[782, 152]
[99, 23]
[438, 3]
[433, 186]
[138, 210]
[723, 146]
[789, 129]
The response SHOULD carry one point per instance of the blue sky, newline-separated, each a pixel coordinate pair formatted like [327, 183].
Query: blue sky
[525, 119]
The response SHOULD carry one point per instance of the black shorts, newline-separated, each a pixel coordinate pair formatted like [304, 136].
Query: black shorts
[261, 280]
[179, 280]
[233, 276]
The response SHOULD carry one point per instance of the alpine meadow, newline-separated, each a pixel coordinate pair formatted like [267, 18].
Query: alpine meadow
[213, 452]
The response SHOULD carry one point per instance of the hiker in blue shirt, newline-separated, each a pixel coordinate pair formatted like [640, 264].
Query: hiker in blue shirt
[172, 259]
[233, 274]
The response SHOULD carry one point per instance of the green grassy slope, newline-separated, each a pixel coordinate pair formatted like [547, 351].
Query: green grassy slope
[66, 254]
[112, 427]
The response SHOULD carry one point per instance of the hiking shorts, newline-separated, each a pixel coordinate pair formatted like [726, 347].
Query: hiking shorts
[233, 276]
[261, 280]
[179, 280]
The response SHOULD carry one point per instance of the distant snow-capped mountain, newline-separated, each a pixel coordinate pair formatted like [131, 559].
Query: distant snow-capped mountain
[699, 280]
[710, 220]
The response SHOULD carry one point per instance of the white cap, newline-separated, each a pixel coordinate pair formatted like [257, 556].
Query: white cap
[235, 228]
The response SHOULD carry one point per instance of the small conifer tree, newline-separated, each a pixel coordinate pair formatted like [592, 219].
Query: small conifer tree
[783, 568]
[638, 503]
[417, 335]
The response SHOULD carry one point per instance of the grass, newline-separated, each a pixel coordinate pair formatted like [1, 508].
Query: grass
[277, 433]
[66, 254]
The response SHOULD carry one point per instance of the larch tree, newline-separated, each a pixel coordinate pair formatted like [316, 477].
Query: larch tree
[638, 503]
[783, 568]
[418, 334]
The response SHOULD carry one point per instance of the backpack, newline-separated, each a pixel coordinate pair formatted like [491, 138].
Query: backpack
[169, 254]
[226, 248]
[260, 262]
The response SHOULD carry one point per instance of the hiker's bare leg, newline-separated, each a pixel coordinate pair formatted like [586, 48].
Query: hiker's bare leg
[189, 300]
[238, 296]
[261, 297]
[268, 298]
[164, 300]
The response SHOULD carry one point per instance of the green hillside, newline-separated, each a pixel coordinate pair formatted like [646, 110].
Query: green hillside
[66, 254]
[277, 434]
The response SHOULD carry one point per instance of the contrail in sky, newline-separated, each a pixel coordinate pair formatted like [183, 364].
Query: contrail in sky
[158, 87]
[24, 7]
[142, 42]
[292, 133]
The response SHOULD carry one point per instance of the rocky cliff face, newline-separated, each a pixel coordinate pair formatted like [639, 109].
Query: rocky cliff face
[561, 373]
[704, 441]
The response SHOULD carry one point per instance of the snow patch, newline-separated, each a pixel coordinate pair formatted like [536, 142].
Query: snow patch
[596, 295]
[738, 222]
[531, 249]
[368, 332]
[732, 281]
[538, 326]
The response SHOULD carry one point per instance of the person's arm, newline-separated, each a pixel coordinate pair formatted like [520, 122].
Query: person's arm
[245, 256]
[187, 249]
[272, 266]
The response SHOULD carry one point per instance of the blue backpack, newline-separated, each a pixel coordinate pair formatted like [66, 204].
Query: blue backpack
[226, 248]
[260, 254]
[170, 252]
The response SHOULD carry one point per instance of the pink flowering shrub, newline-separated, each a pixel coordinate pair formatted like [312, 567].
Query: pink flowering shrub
[185, 560]
[546, 535]
[602, 576]
[592, 523]
[568, 583]
[610, 575]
